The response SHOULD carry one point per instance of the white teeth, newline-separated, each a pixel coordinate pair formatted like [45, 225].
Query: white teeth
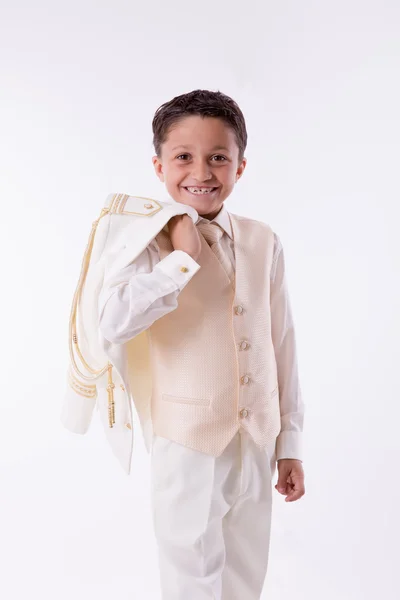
[199, 190]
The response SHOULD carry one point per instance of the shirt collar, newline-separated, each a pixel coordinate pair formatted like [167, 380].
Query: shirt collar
[222, 219]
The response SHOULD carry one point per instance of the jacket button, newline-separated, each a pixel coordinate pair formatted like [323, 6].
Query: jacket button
[244, 412]
[128, 425]
[239, 310]
[245, 379]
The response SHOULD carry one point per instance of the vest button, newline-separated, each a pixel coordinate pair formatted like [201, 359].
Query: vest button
[244, 412]
[239, 309]
[244, 345]
[245, 379]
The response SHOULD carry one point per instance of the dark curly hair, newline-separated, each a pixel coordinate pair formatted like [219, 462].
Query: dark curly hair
[206, 104]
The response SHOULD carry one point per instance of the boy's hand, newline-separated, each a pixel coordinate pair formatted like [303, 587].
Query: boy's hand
[290, 479]
[184, 235]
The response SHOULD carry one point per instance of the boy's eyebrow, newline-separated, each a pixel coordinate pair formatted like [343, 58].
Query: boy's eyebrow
[212, 149]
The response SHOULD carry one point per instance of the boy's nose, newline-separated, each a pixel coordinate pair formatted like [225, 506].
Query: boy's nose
[201, 173]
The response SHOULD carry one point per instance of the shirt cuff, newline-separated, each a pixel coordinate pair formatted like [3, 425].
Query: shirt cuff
[289, 444]
[179, 266]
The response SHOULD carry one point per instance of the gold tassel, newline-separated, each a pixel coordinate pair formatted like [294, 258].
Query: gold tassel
[111, 403]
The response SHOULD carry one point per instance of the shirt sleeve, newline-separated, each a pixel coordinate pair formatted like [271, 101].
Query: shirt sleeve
[289, 440]
[142, 292]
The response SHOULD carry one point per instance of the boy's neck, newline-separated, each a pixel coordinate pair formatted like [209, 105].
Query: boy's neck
[211, 216]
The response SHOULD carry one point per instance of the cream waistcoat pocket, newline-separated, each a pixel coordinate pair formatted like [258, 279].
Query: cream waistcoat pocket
[186, 400]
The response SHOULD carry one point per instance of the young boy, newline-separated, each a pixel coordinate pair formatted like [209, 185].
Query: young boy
[226, 402]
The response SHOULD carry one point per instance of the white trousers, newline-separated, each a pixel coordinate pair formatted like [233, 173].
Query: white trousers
[212, 519]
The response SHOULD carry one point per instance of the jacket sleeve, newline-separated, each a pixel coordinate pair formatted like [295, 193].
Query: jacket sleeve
[289, 440]
[142, 292]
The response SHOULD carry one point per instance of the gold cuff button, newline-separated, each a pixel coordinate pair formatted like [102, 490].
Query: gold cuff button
[184, 269]
[148, 206]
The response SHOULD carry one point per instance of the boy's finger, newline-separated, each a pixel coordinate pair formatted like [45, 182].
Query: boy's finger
[295, 495]
[281, 488]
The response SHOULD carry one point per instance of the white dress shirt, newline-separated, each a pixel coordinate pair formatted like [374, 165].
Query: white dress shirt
[148, 289]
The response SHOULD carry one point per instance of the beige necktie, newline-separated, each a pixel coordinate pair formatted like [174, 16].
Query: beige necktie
[213, 233]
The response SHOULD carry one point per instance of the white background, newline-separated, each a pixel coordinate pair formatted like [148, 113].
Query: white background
[318, 82]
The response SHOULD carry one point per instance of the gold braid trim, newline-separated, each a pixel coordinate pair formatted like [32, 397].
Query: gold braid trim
[85, 389]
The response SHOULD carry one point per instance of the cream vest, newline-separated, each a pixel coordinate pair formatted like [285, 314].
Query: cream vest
[199, 373]
[206, 369]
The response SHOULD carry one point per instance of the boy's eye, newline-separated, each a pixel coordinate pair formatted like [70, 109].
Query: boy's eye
[215, 156]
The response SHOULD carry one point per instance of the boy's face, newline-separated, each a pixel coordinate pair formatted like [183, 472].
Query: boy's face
[200, 154]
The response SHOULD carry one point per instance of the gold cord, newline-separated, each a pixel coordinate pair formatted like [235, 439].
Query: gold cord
[86, 389]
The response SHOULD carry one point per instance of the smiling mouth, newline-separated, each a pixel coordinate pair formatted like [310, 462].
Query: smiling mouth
[200, 191]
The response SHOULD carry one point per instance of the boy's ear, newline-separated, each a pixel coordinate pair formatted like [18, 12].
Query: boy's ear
[158, 168]
[240, 169]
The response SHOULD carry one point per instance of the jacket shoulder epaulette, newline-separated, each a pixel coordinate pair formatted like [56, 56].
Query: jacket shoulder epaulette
[123, 204]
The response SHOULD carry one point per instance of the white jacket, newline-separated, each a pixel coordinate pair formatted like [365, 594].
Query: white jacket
[97, 373]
